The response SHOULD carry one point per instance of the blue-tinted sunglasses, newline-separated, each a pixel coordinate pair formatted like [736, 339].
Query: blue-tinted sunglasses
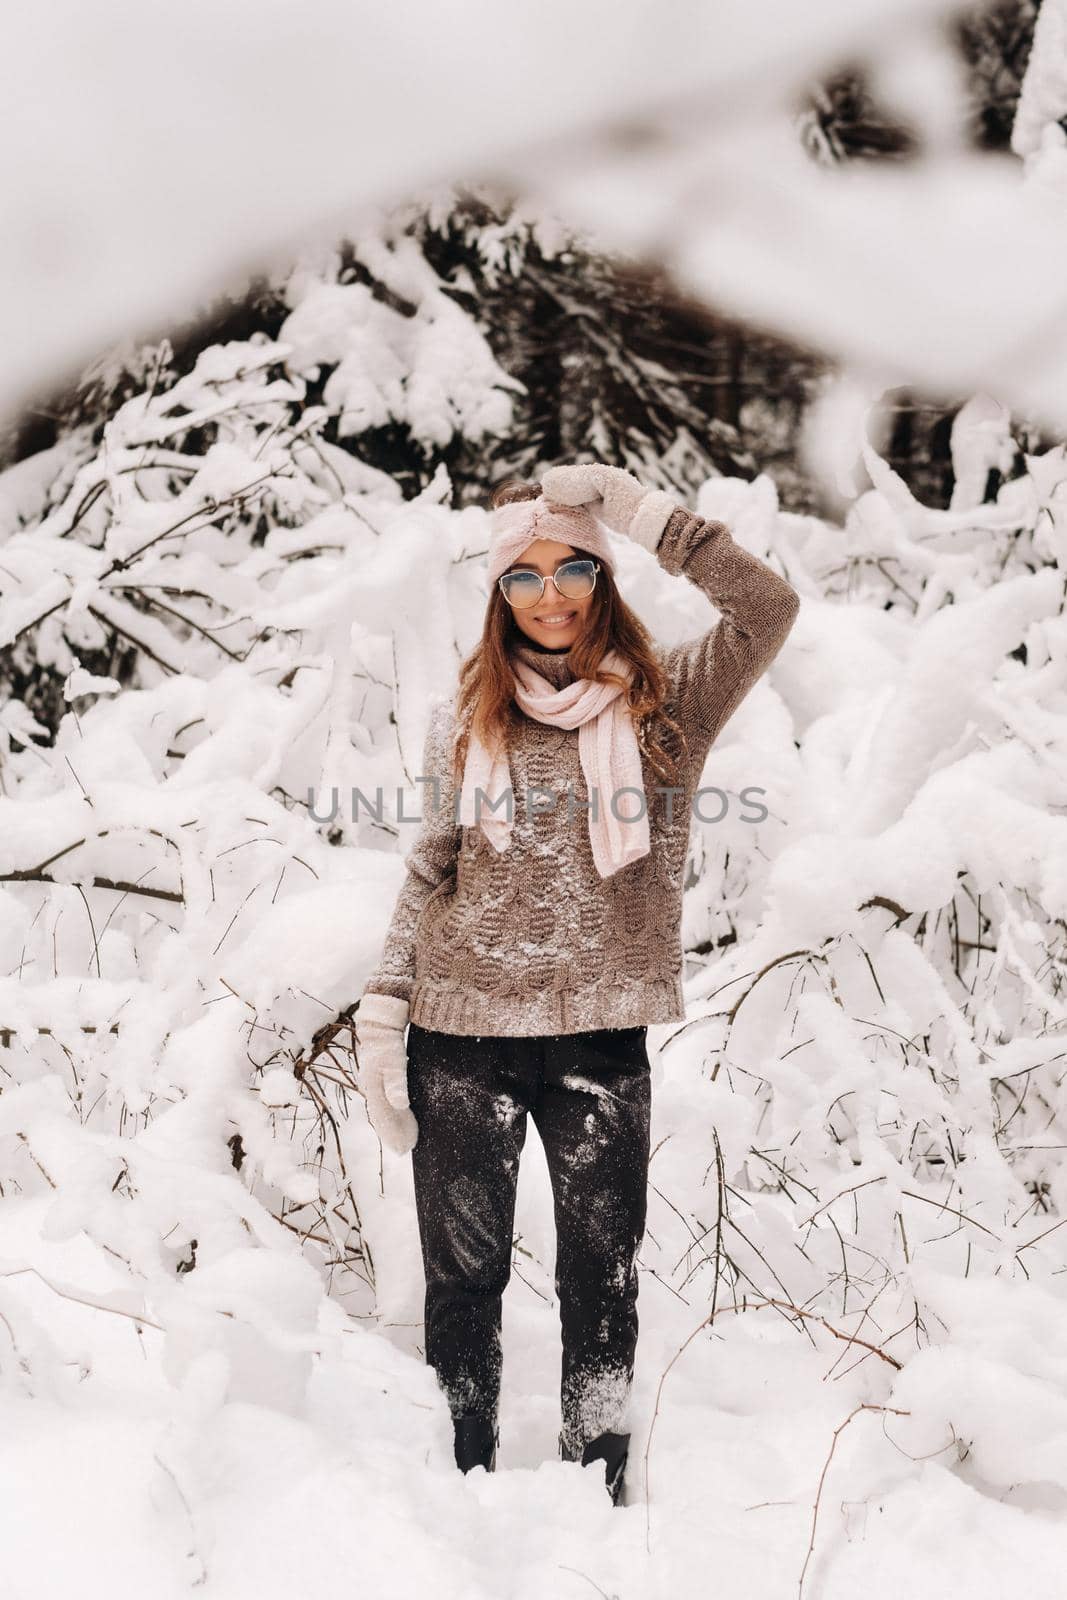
[574, 580]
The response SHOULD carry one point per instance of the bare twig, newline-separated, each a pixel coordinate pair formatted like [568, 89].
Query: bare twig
[865, 1405]
[750, 1305]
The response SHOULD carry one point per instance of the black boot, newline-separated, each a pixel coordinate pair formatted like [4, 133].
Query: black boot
[612, 1449]
[476, 1441]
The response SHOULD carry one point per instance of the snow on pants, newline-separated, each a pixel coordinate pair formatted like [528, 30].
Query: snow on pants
[589, 1095]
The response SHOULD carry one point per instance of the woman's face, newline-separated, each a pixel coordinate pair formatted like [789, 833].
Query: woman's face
[553, 621]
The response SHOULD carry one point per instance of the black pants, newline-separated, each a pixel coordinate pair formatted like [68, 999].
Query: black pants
[589, 1095]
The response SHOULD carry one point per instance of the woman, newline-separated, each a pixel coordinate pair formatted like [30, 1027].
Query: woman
[537, 933]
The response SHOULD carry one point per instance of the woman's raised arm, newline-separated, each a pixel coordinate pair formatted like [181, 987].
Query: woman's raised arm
[713, 673]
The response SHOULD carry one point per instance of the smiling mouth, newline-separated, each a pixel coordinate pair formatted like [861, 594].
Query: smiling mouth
[560, 620]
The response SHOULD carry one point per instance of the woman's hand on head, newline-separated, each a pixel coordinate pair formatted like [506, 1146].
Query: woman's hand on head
[573, 486]
[626, 505]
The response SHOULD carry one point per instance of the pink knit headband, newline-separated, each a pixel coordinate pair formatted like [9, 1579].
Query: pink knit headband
[516, 525]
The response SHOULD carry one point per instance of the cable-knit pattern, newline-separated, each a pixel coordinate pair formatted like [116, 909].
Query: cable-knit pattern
[532, 940]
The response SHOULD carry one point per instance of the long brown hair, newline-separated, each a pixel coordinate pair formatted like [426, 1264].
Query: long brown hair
[485, 697]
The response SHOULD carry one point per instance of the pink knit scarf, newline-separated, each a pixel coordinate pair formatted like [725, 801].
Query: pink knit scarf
[607, 749]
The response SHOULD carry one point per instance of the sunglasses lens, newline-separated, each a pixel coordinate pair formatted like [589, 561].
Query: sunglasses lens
[521, 588]
[575, 579]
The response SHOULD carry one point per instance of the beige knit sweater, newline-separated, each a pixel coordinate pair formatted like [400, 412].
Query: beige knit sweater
[533, 940]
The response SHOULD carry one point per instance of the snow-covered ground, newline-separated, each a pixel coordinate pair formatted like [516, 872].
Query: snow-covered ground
[238, 1481]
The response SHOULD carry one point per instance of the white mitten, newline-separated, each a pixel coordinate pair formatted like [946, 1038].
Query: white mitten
[626, 505]
[379, 1023]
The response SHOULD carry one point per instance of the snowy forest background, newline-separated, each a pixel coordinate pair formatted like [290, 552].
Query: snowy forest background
[238, 558]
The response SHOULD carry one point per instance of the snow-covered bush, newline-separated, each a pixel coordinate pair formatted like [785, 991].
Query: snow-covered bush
[177, 926]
